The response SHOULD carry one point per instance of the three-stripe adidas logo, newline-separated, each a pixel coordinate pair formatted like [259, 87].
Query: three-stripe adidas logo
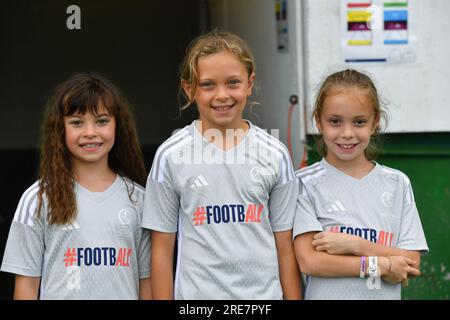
[71, 226]
[200, 181]
[336, 207]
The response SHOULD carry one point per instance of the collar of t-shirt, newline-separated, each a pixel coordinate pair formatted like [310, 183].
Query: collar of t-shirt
[348, 178]
[99, 196]
[197, 134]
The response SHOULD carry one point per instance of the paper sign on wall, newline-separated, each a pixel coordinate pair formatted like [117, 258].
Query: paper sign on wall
[378, 31]
[281, 16]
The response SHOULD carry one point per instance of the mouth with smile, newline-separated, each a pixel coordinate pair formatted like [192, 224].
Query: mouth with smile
[91, 146]
[347, 147]
[223, 109]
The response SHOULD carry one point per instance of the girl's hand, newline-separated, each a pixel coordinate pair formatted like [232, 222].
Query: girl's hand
[335, 243]
[401, 268]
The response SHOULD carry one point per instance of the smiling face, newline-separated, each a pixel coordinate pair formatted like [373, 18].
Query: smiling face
[346, 123]
[89, 137]
[223, 87]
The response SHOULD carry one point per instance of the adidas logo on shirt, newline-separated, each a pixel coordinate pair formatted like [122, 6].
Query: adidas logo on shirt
[200, 181]
[336, 207]
[71, 226]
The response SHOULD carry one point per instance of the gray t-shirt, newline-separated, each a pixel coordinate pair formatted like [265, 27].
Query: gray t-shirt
[225, 206]
[101, 255]
[380, 207]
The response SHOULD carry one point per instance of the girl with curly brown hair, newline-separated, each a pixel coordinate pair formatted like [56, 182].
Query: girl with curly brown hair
[76, 232]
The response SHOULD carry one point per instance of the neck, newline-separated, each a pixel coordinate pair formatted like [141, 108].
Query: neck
[95, 177]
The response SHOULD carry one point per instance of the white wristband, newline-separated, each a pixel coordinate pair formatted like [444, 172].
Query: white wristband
[373, 266]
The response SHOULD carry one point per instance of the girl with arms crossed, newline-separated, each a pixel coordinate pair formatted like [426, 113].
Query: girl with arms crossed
[355, 218]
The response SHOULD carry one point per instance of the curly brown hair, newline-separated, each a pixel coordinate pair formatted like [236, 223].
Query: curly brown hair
[83, 93]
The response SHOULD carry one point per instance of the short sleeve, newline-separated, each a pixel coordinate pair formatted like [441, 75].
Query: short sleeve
[144, 254]
[305, 219]
[25, 245]
[411, 235]
[161, 205]
[282, 205]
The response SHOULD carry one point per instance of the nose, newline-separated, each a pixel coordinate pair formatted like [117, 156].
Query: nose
[90, 130]
[222, 93]
[347, 132]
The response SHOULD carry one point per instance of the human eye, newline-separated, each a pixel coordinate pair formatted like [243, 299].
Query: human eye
[206, 84]
[334, 121]
[234, 82]
[360, 122]
[76, 123]
[103, 121]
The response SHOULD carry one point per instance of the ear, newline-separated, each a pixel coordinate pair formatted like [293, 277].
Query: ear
[187, 88]
[251, 82]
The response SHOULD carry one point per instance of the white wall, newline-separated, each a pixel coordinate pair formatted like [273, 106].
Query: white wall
[417, 94]
[278, 75]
